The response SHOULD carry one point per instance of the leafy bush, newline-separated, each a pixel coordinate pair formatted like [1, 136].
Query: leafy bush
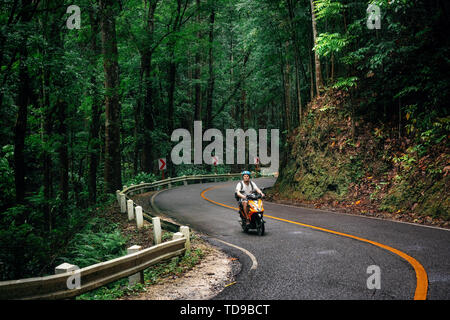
[6, 176]
[99, 241]
[141, 177]
[175, 266]
[24, 251]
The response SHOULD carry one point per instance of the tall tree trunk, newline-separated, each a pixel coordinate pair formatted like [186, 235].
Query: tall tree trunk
[172, 79]
[47, 121]
[113, 176]
[297, 86]
[209, 102]
[230, 31]
[332, 67]
[59, 86]
[319, 83]
[172, 75]
[298, 63]
[147, 68]
[173, 68]
[94, 142]
[47, 161]
[137, 131]
[197, 72]
[283, 84]
[288, 91]
[311, 72]
[61, 108]
[23, 99]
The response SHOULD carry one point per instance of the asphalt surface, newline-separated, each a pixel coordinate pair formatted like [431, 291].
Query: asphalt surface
[298, 262]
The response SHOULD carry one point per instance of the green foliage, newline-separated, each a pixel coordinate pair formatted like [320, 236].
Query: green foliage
[141, 177]
[329, 43]
[396, 77]
[327, 8]
[345, 83]
[191, 170]
[173, 267]
[23, 249]
[99, 241]
[6, 176]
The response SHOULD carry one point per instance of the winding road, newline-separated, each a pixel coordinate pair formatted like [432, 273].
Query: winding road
[314, 254]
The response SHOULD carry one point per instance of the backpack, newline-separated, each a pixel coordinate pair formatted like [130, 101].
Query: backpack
[242, 189]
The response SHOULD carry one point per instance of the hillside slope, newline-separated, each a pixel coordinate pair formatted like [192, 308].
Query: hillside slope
[373, 172]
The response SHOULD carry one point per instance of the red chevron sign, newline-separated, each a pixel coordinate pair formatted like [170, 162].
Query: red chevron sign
[162, 163]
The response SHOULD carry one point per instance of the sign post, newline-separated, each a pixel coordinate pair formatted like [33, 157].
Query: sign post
[215, 161]
[256, 161]
[162, 166]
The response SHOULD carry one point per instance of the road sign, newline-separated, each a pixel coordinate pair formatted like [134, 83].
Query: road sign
[215, 160]
[162, 163]
[256, 160]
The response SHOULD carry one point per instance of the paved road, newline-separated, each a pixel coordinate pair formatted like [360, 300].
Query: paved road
[293, 261]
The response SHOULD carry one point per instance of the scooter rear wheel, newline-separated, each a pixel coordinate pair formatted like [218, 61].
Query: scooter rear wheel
[260, 228]
[243, 222]
[244, 225]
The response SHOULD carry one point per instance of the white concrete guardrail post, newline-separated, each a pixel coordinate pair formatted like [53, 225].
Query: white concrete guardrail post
[177, 235]
[185, 181]
[139, 217]
[130, 210]
[185, 231]
[118, 196]
[137, 277]
[156, 230]
[123, 204]
[65, 267]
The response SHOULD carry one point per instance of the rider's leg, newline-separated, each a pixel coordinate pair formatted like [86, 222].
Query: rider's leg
[245, 205]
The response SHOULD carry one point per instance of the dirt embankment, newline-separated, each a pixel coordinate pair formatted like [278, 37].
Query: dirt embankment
[213, 272]
[360, 167]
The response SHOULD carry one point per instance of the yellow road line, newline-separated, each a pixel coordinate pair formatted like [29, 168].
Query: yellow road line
[421, 275]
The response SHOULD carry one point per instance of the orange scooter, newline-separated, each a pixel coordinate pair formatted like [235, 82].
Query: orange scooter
[255, 213]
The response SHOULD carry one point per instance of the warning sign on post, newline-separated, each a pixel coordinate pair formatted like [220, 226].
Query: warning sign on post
[162, 163]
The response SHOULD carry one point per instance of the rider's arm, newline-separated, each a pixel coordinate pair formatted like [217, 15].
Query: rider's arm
[240, 195]
[258, 190]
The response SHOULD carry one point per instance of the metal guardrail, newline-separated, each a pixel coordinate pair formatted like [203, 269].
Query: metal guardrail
[94, 276]
[127, 191]
[170, 181]
[91, 277]
[139, 188]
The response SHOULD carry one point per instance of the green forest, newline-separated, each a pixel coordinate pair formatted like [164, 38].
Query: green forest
[90, 97]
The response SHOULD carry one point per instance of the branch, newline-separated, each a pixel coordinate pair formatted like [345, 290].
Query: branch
[238, 86]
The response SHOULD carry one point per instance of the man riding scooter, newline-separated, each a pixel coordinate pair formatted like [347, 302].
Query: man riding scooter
[245, 188]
